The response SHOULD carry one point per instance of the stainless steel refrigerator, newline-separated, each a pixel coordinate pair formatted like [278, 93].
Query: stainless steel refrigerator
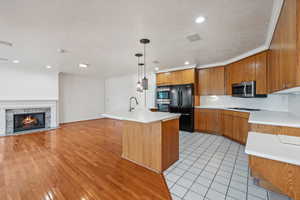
[182, 101]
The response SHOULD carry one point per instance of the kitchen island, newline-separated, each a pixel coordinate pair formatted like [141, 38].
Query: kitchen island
[149, 139]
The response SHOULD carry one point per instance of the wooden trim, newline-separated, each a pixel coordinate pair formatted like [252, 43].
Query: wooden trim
[276, 130]
[140, 164]
[166, 185]
[75, 122]
[208, 131]
[263, 183]
[263, 51]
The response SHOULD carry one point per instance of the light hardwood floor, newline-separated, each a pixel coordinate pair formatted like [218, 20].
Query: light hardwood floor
[79, 161]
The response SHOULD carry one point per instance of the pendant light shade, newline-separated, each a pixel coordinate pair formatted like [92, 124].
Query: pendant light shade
[139, 86]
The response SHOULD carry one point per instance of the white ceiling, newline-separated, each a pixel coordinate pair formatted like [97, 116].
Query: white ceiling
[105, 33]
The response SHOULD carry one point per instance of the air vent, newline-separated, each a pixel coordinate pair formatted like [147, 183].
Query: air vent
[6, 43]
[193, 37]
[3, 59]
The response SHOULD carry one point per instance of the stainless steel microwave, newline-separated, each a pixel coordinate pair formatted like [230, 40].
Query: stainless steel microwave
[246, 90]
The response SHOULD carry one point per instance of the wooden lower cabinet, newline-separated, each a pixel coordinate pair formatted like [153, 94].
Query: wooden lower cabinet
[152, 145]
[282, 176]
[208, 120]
[228, 126]
[170, 143]
[240, 129]
[231, 124]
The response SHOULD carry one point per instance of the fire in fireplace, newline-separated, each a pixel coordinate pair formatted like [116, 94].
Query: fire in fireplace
[24, 122]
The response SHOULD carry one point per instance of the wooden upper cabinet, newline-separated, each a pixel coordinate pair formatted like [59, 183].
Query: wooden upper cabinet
[283, 62]
[163, 78]
[253, 68]
[203, 82]
[211, 81]
[180, 77]
[187, 76]
[261, 73]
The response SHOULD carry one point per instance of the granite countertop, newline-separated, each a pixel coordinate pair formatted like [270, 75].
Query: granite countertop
[141, 115]
[274, 150]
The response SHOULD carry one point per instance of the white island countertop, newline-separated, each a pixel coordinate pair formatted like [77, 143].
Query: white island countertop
[141, 115]
[269, 146]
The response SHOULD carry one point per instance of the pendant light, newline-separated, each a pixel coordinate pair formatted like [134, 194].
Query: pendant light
[139, 87]
[145, 80]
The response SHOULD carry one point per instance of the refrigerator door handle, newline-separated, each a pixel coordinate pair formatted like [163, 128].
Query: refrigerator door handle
[181, 98]
[178, 93]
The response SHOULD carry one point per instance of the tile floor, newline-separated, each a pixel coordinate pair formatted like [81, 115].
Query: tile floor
[212, 167]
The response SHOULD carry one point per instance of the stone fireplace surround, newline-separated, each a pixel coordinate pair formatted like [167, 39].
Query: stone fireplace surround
[8, 108]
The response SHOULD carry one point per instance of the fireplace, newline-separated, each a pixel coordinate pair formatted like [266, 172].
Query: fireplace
[29, 121]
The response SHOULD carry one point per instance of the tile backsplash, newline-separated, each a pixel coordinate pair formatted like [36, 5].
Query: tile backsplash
[272, 102]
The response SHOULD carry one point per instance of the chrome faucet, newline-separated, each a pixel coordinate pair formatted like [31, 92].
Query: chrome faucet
[136, 103]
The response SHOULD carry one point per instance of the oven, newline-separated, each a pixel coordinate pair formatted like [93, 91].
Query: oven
[163, 105]
[163, 93]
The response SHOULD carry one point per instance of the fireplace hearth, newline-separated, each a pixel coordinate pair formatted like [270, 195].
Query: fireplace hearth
[29, 121]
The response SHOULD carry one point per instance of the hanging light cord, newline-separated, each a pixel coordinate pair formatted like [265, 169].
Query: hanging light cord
[144, 60]
[138, 69]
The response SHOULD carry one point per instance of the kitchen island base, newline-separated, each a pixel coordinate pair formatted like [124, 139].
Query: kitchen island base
[152, 145]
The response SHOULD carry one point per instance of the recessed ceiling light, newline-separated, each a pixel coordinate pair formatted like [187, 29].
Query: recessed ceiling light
[48, 67]
[200, 20]
[60, 50]
[16, 61]
[156, 68]
[186, 62]
[82, 65]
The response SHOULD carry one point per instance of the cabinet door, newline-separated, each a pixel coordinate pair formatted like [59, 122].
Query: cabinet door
[163, 78]
[228, 79]
[248, 69]
[214, 122]
[203, 119]
[228, 126]
[216, 81]
[203, 77]
[240, 129]
[188, 76]
[289, 66]
[261, 73]
[243, 130]
[283, 69]
[236, 135]
[159, 79]
[176, 78]
[197, 119]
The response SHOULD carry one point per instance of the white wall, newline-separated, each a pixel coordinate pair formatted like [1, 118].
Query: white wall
[19, 84]
[272, 102]
[294, 103]
[119, 89]
[80, 98]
